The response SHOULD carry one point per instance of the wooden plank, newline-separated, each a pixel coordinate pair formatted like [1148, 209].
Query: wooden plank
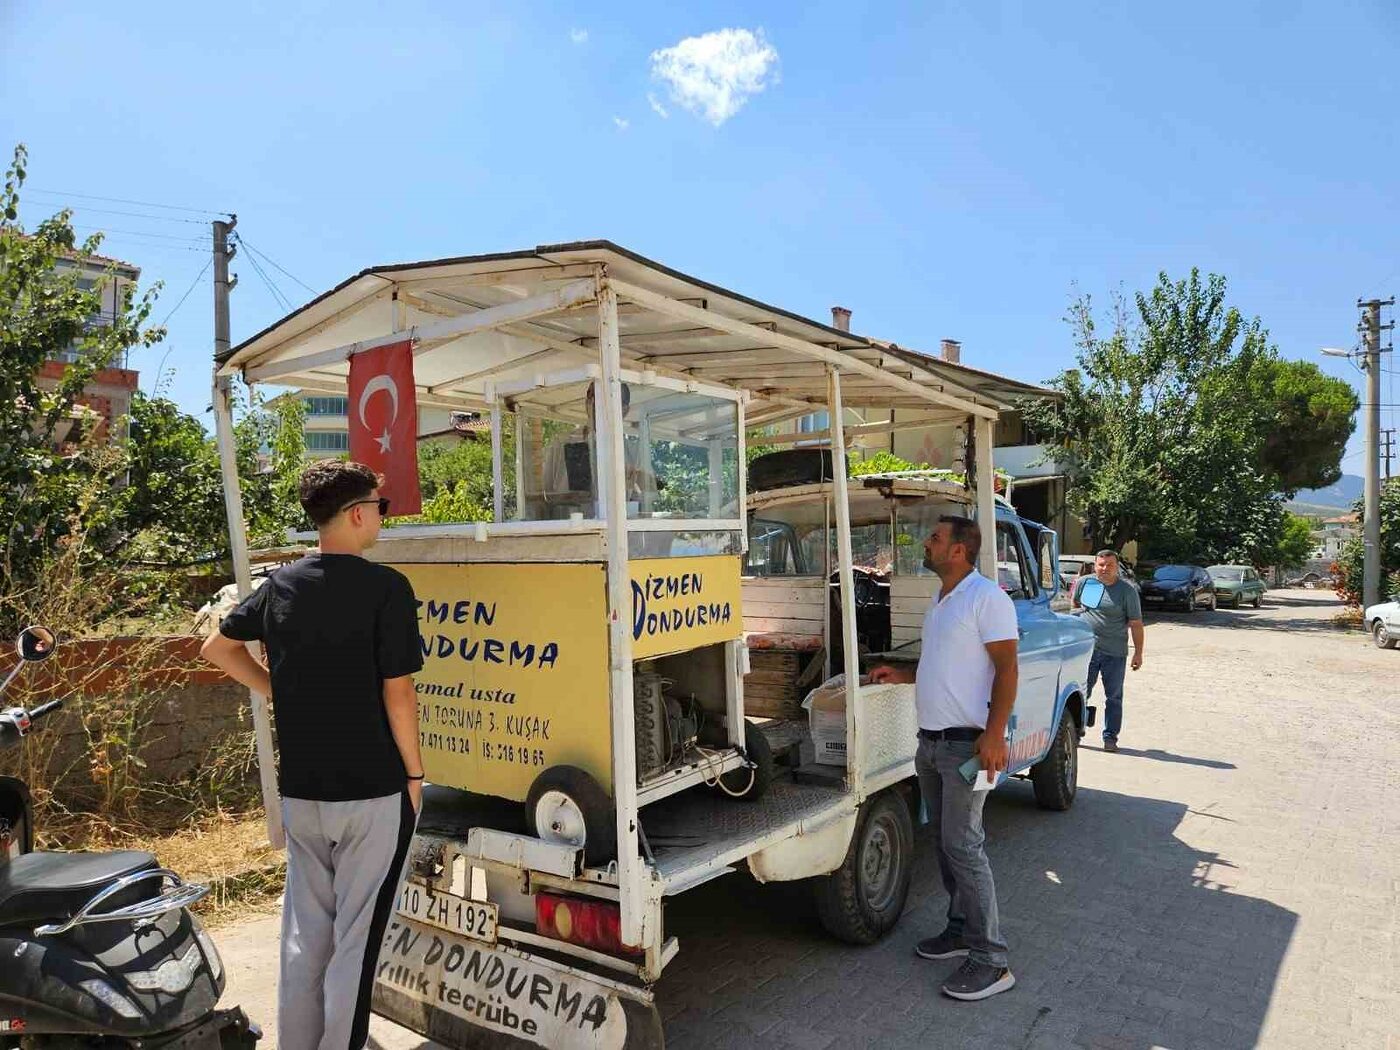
[774, 659]
[772, 591]
[786, 611]
[777, 625]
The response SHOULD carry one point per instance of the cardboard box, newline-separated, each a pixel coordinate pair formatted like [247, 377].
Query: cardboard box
[826, 713]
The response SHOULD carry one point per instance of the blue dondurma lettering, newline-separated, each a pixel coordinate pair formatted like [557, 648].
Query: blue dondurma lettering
[462, 611]
[513, 653]
[648, 621]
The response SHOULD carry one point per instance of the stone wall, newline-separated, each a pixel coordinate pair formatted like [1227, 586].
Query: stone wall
[174, 709]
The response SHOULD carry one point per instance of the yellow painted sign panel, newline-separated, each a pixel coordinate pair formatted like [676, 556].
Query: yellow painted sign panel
[683, 603]
[515, 675]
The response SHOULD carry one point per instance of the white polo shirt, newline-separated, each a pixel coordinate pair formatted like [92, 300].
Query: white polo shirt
[953, 686]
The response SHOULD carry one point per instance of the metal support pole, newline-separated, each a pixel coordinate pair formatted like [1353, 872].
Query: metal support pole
[986, 498]
[1371, 520]
[237, 535]
[855, 729]
[612, 494]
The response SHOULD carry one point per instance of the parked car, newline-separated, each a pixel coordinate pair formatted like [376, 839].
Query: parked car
[1073, 566]
[1383, 621]
[1184, 586]
[1237, 584]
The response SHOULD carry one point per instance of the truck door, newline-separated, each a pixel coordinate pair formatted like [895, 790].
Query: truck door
[1032, 720]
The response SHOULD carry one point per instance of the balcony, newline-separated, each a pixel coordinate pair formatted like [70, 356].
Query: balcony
[1025, 461]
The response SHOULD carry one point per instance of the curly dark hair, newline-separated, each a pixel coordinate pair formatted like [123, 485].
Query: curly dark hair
[328, 485]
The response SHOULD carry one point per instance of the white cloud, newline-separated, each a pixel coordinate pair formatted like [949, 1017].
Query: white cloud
[622, 124]
[578, 36]
[713, 75]
[656, 106]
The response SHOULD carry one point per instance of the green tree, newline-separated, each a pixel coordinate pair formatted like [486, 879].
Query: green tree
[44, 313]
[172, 507]
[1296, 543]
[1352, 559]
[1160, 427]
[1307, 418]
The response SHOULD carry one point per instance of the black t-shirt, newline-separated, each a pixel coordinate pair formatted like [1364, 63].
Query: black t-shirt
[335, 627]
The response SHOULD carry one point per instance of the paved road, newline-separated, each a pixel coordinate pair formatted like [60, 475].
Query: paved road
[1230, 878]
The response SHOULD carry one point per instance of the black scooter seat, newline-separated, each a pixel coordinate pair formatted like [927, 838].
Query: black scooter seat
[51, 887]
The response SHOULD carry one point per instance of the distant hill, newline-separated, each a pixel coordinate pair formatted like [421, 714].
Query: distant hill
[1334, 497]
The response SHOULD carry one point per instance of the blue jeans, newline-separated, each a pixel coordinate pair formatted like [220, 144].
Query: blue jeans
[1113, 668]
[955, 817]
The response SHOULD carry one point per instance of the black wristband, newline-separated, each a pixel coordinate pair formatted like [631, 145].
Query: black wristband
[418, 777]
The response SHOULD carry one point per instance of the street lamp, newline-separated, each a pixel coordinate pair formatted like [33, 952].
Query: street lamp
[1332, 351]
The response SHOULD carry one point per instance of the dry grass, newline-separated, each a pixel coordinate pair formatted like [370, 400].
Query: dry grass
[228, 852]
[1348, 619]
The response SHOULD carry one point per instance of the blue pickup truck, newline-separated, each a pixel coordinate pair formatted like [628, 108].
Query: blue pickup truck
[791, 553]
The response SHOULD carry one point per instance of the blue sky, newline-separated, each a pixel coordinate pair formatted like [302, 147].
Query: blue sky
[944, 170]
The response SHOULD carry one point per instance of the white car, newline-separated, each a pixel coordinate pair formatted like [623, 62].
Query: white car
[1383, 622]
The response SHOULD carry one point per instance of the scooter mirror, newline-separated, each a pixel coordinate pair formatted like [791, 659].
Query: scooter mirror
[35, 643]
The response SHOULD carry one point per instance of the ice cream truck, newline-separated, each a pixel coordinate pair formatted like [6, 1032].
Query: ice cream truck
[582, 705]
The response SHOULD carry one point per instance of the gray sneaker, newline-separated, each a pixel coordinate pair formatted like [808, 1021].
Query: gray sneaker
[974, 980]
[945, 946]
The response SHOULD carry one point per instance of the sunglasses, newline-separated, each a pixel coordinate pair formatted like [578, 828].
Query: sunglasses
[382, 501]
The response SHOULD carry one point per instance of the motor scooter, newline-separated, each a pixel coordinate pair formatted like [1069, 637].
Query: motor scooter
[98, 949]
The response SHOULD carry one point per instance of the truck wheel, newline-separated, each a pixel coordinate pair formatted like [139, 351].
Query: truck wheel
[567, 806]
[1382, 637]
[861, 900]
[737, 782]
[1056, 776]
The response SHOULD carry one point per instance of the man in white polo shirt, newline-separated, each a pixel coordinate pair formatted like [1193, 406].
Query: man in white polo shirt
[964, 690]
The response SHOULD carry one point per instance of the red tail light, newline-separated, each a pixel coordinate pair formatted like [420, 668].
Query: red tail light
[590, 923]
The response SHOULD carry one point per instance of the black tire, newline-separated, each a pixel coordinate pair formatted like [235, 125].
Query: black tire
[1382, 636]
[861, 900]
[761, 755]
[1190, 605]
[1056, 776]
[594, 807]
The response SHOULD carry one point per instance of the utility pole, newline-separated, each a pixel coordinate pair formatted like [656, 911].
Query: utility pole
[1371, 329]
[223, 254]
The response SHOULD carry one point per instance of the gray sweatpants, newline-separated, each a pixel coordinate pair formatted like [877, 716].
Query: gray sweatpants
[955, 817]
[344, 863]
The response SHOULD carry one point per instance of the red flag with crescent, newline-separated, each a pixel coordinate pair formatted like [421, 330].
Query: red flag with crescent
[383, 410]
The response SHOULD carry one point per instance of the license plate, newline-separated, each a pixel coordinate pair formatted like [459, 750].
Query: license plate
[447, 911]
[1154, 598]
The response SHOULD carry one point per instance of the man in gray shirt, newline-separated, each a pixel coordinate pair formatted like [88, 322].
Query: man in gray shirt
[1112, 608]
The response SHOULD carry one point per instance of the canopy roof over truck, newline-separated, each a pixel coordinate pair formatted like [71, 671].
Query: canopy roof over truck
[493, 319]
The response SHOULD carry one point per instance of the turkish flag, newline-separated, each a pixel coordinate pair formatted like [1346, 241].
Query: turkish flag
[383, 408]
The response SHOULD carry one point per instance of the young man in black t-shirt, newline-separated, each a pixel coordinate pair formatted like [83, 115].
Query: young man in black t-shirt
[341, 635]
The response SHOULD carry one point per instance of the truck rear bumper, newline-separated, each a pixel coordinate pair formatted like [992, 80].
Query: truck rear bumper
[465, 993]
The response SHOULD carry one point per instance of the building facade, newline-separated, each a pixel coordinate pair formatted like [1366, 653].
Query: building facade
[107, 396]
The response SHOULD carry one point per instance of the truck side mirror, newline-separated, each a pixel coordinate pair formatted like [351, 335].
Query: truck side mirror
[35, 643]
[1049, 558]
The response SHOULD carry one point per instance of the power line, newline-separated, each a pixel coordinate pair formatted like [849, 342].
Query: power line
[140, 233]
[123, 200]
[187, 294]
[277, 295]
[273, 262]
[85, 208]
[160, 368]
